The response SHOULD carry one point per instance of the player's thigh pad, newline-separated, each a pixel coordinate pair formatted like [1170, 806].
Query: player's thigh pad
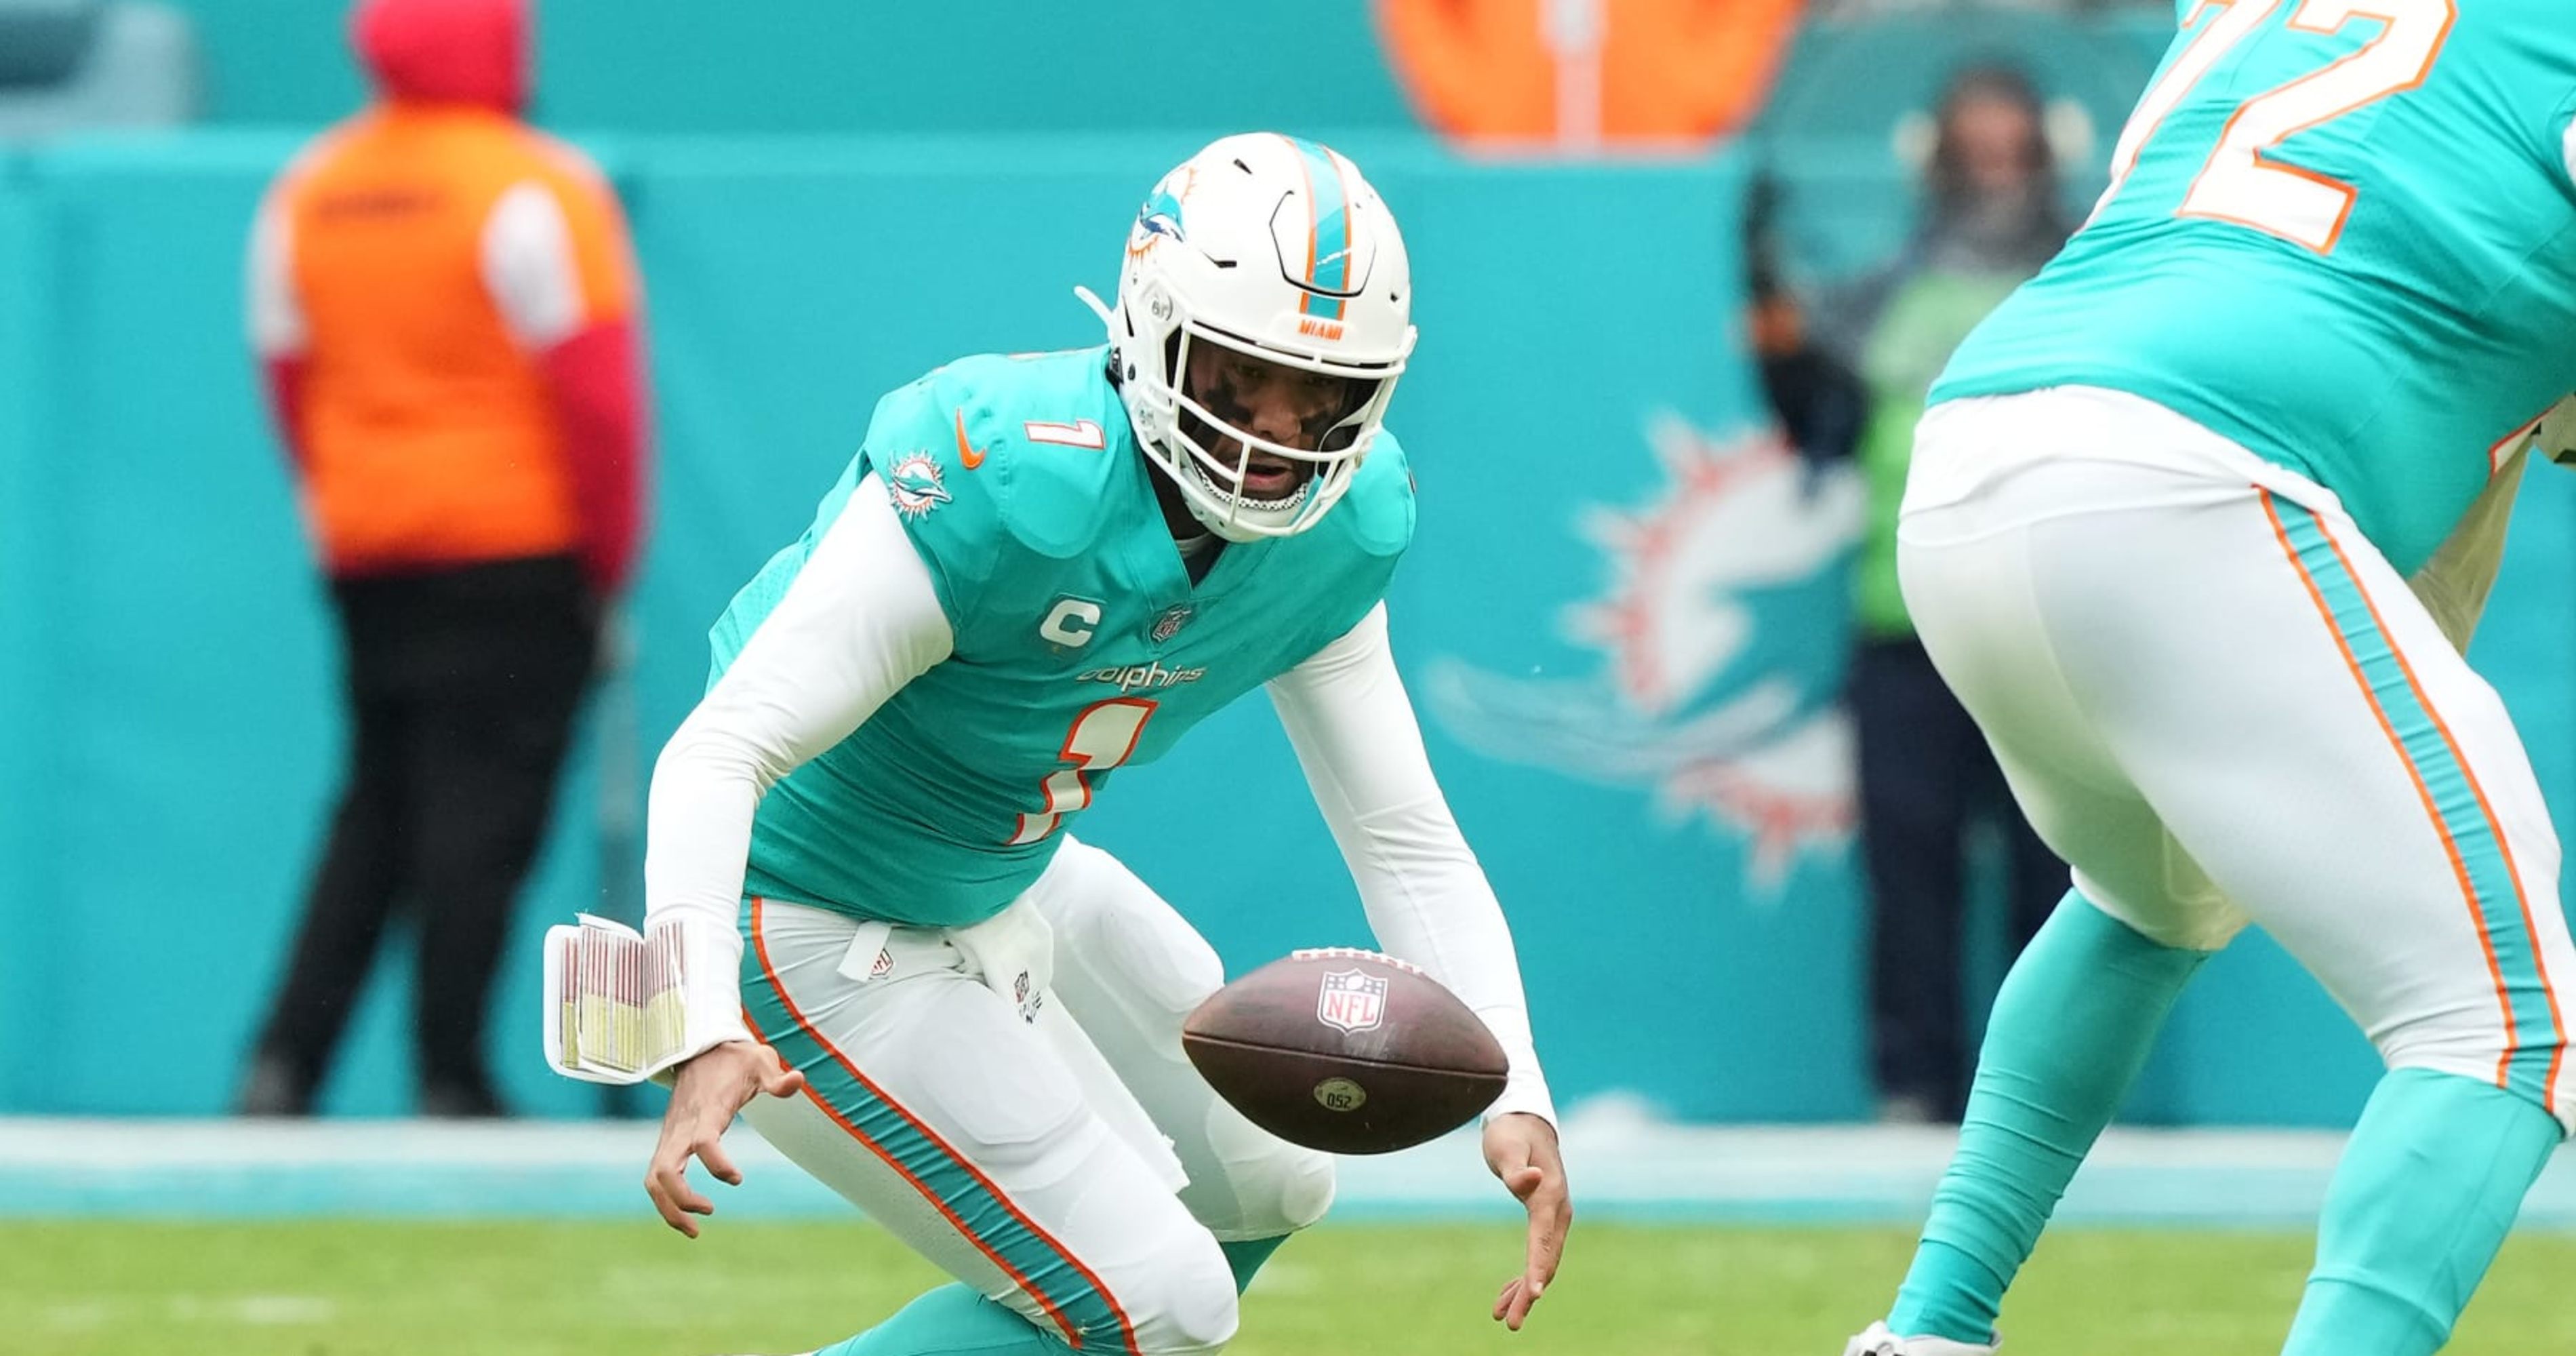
[2241, 659]
[1131, 970]
[956, 1125]
[1984, 635]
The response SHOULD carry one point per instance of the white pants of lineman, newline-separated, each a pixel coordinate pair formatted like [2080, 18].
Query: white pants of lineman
[1074, 1166]
[2219, 703]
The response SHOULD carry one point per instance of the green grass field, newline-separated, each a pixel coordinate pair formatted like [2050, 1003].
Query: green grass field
[590, 1289]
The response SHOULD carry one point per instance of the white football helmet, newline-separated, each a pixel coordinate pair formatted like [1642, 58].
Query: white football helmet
[1274, 247]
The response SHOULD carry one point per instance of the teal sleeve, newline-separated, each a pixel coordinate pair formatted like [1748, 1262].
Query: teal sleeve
[946, 496]
[2561, 139]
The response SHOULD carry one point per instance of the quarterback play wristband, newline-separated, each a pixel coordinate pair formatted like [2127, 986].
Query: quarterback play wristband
[622, 1006]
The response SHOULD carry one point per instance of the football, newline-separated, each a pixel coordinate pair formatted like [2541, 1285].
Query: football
[1346, 1051]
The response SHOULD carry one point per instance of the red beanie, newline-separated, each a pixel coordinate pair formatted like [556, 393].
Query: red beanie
[446, 51]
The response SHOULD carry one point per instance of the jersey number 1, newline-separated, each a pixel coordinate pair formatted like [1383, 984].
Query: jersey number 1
[1102, 737]
[2243, 181]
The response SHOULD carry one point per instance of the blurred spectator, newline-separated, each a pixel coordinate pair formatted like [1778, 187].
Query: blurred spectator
[69, 65]
[1873, 9]
[1991, 218]
[447, 311]
[1818, 401]
[1581, 74]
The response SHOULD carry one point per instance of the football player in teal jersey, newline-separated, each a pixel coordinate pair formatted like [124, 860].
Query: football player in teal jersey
[2198, 526]
[1037, 570]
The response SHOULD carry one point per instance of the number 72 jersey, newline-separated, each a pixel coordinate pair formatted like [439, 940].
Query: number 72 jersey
[2339, 232]
[1081, 645]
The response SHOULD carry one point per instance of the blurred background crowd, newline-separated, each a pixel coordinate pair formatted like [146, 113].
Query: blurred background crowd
[302, 683]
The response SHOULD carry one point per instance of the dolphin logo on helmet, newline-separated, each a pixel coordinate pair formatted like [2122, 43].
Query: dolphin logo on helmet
[1160, 218]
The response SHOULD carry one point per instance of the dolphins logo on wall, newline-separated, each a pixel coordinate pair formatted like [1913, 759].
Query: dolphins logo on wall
[1723, 630]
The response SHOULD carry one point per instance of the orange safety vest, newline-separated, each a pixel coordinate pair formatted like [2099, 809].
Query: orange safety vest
[1488, 72]
[427, 427]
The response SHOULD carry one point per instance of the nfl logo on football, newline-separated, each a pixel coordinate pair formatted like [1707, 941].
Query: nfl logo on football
[1351, 1000]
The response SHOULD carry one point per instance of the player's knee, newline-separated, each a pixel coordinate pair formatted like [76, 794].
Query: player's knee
[2198, 919]
[1289, 1190]
[2532, 1066]
[1181, 1298]
[1248, 1183]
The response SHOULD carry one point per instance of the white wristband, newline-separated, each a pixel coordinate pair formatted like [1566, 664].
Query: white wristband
[622, 1006]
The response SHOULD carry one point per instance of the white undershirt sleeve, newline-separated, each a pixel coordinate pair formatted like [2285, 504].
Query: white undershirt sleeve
[861, 620]
[1426, 896]
[277, 328]
[2567, 141]
[528, 268]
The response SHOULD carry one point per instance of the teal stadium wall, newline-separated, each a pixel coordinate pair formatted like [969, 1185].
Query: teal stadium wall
[833, 66]
[169, 729]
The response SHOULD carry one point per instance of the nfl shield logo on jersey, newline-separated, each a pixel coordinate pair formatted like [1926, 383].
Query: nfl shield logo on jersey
[1351, 1000]
[1171, 621]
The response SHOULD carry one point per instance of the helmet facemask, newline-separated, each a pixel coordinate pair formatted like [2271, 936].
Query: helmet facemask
[1220, 464]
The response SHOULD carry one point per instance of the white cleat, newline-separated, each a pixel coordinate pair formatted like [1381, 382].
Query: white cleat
[1878, 1341]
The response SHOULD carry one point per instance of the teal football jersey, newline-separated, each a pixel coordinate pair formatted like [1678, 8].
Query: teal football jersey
[2340, 234]
[1081, 644]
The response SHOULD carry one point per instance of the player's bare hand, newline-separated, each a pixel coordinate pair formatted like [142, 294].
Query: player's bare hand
[1521, 1149]
[706, 1092]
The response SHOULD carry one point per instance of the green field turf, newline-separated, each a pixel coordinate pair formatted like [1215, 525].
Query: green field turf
[588, 1289]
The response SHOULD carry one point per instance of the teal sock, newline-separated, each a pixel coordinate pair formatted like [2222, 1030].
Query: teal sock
[2071, 1028]
[953, 1320]
[2427, 1191]
[1247, 1256]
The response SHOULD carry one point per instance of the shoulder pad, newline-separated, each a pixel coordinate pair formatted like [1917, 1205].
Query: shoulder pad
[1377, 511]
[1042, 436]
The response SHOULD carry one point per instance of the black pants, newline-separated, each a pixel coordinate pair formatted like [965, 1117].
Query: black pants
[462, 686]
[1926, 776]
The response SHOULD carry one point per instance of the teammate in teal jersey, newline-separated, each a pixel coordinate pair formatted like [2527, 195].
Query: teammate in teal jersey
[1037, 570]
[2198, 527]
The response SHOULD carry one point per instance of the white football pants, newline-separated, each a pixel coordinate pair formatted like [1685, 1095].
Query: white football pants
[1074, 1166]
[2218, 702]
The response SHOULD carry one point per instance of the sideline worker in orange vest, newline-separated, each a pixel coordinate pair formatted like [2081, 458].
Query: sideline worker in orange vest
[446, 308]
[1586, 77]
